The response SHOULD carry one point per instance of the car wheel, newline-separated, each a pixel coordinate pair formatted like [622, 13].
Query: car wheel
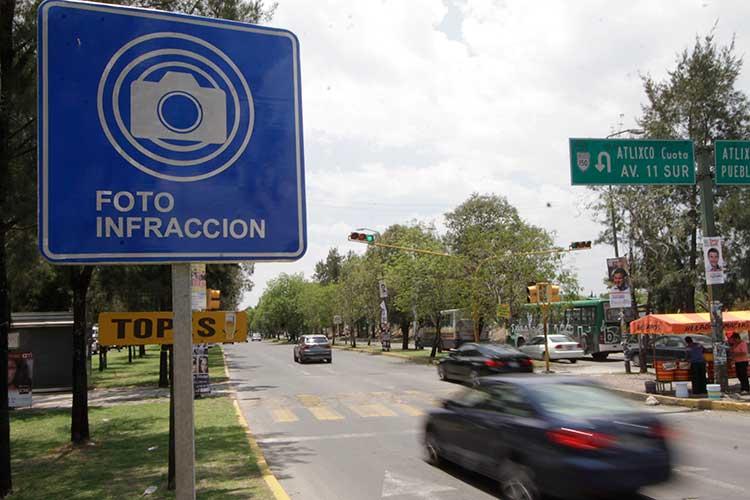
[474, 378]
[600, 356]
[432, 452]
[296, 359]
[635, 360]
[517, 483]
[441, 373]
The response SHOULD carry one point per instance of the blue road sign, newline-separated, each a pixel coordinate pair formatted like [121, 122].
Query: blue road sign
[167, 138]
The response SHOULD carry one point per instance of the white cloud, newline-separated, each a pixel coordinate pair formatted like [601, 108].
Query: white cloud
[403, 120]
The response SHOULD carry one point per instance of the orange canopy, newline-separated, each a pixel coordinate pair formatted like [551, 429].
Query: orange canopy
[689, 323]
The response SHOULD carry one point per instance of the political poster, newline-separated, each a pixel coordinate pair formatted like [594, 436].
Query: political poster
[20, 377]
[201, 383]
[619, 283]
[713, 259]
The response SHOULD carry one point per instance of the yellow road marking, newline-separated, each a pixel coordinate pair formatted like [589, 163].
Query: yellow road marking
[309, 400]
[409, 410]
[283, 415]
[376, 410]
[324, 413]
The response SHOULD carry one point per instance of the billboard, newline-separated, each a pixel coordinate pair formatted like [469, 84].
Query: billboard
[20, 377]
[619, 283]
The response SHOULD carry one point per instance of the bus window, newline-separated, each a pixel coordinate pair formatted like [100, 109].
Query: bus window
[588, 315]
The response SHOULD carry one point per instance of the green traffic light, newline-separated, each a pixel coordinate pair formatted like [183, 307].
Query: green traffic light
[370, 238]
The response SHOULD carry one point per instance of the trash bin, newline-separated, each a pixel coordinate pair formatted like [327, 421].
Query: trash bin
[650, 387]
[714, 391]
[681, 389]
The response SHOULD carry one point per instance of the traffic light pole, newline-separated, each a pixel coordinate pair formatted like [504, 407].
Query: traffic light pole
[714, 291]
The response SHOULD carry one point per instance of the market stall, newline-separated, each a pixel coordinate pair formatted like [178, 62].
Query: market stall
[687, 324]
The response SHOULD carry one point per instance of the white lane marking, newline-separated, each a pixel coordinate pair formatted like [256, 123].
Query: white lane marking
[715, 482]
[353, 435]
[396, 485]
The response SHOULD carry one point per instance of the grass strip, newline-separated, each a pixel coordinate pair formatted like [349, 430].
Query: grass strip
[118, 463]
[144, 372]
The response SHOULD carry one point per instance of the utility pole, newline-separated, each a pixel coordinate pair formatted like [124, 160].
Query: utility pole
[714, 291]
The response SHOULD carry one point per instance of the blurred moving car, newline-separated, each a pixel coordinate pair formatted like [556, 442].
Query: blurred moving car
[559, 346]
[256, 336]
[471, 361]
[665, 348]
[312, 348]
[550, 435]
[94, 340]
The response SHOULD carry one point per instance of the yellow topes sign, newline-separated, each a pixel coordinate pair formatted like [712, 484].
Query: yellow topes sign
[140, 328]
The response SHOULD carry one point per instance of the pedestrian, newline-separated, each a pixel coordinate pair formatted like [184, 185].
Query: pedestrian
[697, 366]
[739, 356]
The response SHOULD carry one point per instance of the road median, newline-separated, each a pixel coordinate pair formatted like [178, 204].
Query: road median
[415, 356]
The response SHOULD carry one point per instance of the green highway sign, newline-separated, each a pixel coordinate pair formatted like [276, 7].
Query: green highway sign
[732, 162]
[631, 161]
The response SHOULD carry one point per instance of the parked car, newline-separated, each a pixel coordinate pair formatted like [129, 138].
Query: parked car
[540, 435]
[559, 346]
[256, 336]
[471, 361]
[665, 348]
[312, 348]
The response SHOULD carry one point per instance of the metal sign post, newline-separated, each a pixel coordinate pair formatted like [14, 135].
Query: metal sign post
[183, 382]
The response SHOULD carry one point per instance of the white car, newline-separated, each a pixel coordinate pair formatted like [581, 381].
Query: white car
[256, 336]
[560, 347]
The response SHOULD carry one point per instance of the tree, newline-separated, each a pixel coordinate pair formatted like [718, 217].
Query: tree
[494, 246]
[329, 271]
[279, 310]
[661, 225]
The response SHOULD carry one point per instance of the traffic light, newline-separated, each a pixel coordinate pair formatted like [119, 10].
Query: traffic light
[532, 294]
[214, 300]
[362, 237]
[554, 293]
[580, 245]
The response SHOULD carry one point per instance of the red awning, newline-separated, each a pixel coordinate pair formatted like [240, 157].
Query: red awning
[689, 323]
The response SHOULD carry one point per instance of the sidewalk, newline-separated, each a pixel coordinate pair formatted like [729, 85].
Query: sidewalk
[116, 396]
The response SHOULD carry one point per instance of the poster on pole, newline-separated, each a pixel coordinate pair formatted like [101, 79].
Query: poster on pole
[619, 283]
[201, 383]
[198, 286]
[20, 377]
[713, 259]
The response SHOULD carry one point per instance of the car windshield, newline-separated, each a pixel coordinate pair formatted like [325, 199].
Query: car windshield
[578, 400]
[316, 340]
[560, 338]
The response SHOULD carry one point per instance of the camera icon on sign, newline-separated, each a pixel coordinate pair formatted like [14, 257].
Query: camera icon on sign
[178, 108]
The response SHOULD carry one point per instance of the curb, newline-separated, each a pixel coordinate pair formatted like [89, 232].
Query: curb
[265, 470]
[696, 404]
[426, 361]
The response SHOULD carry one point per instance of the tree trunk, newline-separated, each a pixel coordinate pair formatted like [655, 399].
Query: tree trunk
[130, 354]
[690, 286]
[436, 341]
[405, 332]
[79, 425]
[7, 16]
[163, 369]
[141, 351]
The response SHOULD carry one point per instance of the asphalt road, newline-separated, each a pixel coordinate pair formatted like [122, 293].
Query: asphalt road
[351, 429]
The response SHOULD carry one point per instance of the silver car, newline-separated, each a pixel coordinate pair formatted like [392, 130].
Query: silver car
[312, 348]
[560, 347]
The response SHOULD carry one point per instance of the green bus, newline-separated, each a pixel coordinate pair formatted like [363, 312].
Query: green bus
[591, 322]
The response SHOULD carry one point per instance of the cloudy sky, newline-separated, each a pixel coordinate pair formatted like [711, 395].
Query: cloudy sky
[412, 105]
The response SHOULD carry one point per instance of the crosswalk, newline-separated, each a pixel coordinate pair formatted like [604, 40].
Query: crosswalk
[288, 409]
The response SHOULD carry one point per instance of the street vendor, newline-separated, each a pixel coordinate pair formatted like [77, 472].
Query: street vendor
[697, 366]
[739, 356]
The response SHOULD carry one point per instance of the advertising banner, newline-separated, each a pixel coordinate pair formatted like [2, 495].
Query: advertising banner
[20, 376]
[198, 287]
[619, 281]
[143, 328]
[713, 259]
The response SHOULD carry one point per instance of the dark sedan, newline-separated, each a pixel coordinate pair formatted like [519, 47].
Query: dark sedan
[664, 347]
[560, 436]
[471, 361]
